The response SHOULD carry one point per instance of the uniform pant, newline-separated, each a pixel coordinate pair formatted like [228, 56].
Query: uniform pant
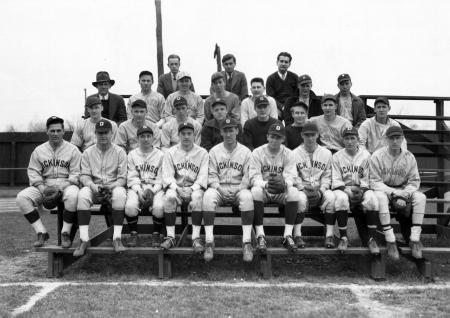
[326, 204]
[30, 198]
[212, 199]
[342, 200]
[132, 205]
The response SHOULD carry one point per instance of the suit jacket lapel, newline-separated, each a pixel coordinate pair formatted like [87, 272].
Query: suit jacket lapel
[112, 106]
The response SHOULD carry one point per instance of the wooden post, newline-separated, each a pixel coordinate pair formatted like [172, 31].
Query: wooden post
[218, 58]
[159, 45]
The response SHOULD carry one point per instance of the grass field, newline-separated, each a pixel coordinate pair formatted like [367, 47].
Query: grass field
[121, 285]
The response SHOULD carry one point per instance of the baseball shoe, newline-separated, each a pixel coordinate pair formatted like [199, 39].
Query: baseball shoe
[156, 239]
[343, 244]
[209, 251]
[118, 246]
[416, 248]
[132, 240]
[41, 239]
[373, 247]
[81, 249]
[247, 252]
[197, 245]
[288, 243]
[168, 243]
[329, 242]
[392, 251]
[65, 240]
[299, 242]
[261, 246]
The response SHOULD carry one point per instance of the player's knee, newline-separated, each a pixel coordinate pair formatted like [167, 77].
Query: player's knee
[292, 194]
[131, 210]
[257, 193]
[328, 201]
[170, 201]
[158, 211]
[84, 199]
[245, 200]
[24, 203]
[197, 200]
[210, 200]
[341, 201]
[418, 197]
[119, 197]
[370, 202]
[70, 198]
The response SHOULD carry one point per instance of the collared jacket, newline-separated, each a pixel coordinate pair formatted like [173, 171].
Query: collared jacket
[314, 107]
[358, 109]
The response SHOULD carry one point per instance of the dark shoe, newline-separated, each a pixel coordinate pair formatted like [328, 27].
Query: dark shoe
[132, 240]
[209, 251]
[299, 242]
[288, 243]
[156, 239]
[197, 245]
[118, 246]
[169, 242]
[41, 239]
[261, 246]
[247, 252]
[416, 248]
[392, 251]
[373, 246]
[343, 244]
[81, 249]
[329, 242]
[65, 240]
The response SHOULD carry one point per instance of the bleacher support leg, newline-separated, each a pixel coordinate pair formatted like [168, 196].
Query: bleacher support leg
[55, 265]
[265, 261]
[165, 266]
[378, 267]
[424, 267]
[60, 210]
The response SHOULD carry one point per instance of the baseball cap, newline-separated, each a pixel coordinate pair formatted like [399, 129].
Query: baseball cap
[381, 99]
[216, 76]
[277, 129]
[303, 79]
[350, 131]
[92, 100]
[180, 100]
[218, 102]
[310, 127]
[54, 120]
[329, 96]
[103, 125]
[183, 74]
[229, 122]
[343, 77]
[394, 131]
[261, 101]
[185, 125]
[139, 103]
[144, 129]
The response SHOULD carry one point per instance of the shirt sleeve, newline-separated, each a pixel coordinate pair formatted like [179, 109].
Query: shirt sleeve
[413, 177]
[245, 182]
[376, 181]
[255, 174]
[289, 171]
[364, 182]
[213, 173]
[200, 111]
[35, 170]
[202, 176]
[363, 135]
[86, 172]
[121, 137]
[77, 136]
[336, 174]
[158, 182]
[74, 167]
[244, 111]
[133, 179]
[325, 182]
[168, 172]
[122, 169]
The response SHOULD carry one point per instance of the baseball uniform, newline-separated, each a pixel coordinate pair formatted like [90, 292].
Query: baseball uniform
[155, 105]
[372, 134]
[331, 131]
[84, 133]
[169, 132]
[195, 106]
[126, 136]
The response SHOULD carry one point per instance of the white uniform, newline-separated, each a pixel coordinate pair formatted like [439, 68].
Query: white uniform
[331, 131]
[155, 105]
[144, 172]
[169, 132]
[126, 136]
[195, 106]
[84, 133]
[372, 134]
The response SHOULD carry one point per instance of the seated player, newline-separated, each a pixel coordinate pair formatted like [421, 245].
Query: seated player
[395, 179]
[299, 113]
[103, 176]
[84, 133]
[248, 104]
[145, 186]
[331, 126]
[350, 184]
[272, 173]
[54, 167]
[313, 181]
[126, 134]
[169, 131]
[228, 183]
[219, 93]
[185, 175]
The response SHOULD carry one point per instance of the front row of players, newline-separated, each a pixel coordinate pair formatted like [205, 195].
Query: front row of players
[308, 178]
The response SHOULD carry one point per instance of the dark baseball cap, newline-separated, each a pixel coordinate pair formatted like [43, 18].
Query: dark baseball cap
[277, 129]
[329, 96]
[139, 103]
[185, 125]
[303, 79]
[54, 120]
[229, 122]
[394, 131]
[179, 101]
[350, 131]
[92, 100]
[310, 127]
[381, 99]
[103, 125]
[144, 129]
[216, 76]
[343, 77]
[218, 102]
[261, 101]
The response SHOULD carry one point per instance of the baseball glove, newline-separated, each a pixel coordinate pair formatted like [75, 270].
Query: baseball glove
[357, 195]
[401, 205]
[52, 196]
[314, 195]
[276, 184]
[104, 195]
[148, 200]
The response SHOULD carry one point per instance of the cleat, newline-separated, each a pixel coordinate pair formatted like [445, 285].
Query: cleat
[65, 240]
[373, 247]
[197, 245]
[41, 239]
[299, 242]
[261, 246]
[156, 239]
[118, 246]
[416, 248]
[247, 252]
[81, 249]
[343, 244]
[289, 244]
[168, 243]
[132, 240]
[392, 251]
[209, 251]
[329, 242]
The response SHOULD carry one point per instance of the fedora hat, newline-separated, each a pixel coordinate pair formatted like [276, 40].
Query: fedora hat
[102, 77]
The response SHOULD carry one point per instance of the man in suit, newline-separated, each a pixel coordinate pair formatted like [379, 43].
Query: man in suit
[113, 105]
[167, 83]
[235, 81]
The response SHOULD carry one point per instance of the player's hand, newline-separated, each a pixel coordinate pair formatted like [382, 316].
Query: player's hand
[140, 195]
[95, 188]
[401, 193]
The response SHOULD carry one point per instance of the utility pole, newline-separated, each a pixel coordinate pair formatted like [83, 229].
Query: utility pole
[218, 58]
[159, 45]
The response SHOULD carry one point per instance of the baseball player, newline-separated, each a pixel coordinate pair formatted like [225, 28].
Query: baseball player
[372, 132]
[54, 164]
[185, 175]
[272, 173]
[126, 134]
[331, 126]
[103, 175]
[145, 185]
[395, 179]
[84, 133]
[350, 184]
[169, 131]
[228, 182]
[313, 180]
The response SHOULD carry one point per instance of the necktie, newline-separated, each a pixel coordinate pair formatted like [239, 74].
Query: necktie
[228, 85]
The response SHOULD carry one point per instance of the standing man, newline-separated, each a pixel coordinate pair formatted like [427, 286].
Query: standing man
[54, 167]
[103, 176]
[113, 105]
[167, 83]
[235, 81]
[248, 104]
[154, 100]
[185, 175]
[395, 179]
[219, 93]
[349, 106]
[283, 83]
[307, 96]
[228, 183]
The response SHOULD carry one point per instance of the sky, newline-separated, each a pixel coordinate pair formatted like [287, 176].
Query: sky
[52, 49]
